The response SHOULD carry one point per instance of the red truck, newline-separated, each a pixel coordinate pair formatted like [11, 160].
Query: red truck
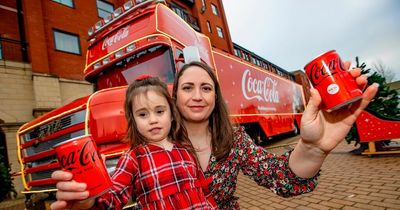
[148, 38]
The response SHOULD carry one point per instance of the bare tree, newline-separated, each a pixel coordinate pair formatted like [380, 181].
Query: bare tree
[383, 70]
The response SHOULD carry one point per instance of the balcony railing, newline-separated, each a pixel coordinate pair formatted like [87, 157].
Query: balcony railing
[13, 50]
[188, 2]
[192, 21]
[181, 12]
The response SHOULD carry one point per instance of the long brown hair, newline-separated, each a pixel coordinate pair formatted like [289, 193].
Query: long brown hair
[219, 124]
[177, 132]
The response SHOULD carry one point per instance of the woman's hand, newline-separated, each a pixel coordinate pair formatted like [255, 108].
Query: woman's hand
[70, 194]
[322, 131]
[326, 130]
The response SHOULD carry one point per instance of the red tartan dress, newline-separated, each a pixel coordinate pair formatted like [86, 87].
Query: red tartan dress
[158, 179]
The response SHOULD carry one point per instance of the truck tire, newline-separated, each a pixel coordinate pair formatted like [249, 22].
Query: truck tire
[296, 130]
[39, 201]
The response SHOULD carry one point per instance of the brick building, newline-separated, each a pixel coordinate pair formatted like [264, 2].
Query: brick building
[57, 43]
[43, 48]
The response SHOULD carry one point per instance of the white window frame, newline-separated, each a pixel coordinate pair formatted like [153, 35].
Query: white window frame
[68, 3]
[237, 52]
[209, 26]
[220, 32]
[214, 9]
[66, 42]
[100, 10]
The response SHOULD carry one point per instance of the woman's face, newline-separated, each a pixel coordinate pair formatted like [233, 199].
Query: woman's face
[195, 97]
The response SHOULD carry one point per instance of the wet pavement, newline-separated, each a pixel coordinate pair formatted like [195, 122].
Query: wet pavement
[347, 182]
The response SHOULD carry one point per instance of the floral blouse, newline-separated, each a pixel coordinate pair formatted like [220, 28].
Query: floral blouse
[265, 168]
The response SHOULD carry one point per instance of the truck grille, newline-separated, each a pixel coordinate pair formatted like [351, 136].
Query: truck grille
[41, 175]
[53, 127]
[44, 146]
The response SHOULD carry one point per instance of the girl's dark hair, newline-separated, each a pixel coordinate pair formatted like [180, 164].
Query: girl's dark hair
[178, 131]
[219, 123]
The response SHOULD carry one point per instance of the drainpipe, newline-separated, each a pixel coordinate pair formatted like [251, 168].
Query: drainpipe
[21, 27]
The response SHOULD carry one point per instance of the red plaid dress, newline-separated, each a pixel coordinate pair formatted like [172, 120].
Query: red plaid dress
[158, 179]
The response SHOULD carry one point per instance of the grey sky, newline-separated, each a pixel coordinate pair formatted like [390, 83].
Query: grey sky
[290, 33]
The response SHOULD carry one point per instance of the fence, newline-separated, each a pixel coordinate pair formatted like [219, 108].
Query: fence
[13, 50]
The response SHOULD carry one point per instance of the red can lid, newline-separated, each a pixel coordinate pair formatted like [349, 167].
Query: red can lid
[318, 56]
[73, 139]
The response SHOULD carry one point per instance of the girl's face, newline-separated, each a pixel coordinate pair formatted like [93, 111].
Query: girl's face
[195, 97]
[152, 115]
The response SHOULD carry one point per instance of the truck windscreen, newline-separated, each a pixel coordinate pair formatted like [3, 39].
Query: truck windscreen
[155, 61]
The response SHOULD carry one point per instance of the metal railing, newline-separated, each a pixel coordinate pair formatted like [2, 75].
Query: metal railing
[13, 50]
[189, 2]
[192, 21]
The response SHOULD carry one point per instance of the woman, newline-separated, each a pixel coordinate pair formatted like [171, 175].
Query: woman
[223, 151]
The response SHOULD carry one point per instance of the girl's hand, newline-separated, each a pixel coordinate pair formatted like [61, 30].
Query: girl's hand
[326, 130]
[70, 193]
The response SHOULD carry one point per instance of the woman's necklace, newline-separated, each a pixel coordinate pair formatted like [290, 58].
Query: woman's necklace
[200, 149]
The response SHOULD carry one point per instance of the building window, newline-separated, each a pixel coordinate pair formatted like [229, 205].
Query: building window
[237, 52]
[214, 9]
[220, 33]
[68, 3]
[203, 6]
[253, 60]
[104, 9]
[203, 3]
[246, 56]
[66, 42]
[181, 12]
[209, 26]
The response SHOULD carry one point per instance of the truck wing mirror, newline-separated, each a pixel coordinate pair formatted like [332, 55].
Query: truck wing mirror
[191, 53]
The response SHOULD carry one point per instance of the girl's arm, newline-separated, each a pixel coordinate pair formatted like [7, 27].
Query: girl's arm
[123, 181]
[71, 194]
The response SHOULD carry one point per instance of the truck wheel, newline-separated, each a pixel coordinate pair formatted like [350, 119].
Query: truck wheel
[38, 201]
[296, 130]
[255, 132]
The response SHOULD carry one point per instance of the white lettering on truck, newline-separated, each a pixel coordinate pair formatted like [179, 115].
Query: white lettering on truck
[262, 90]
[109, 41]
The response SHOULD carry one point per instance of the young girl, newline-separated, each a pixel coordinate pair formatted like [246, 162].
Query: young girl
[160, 170]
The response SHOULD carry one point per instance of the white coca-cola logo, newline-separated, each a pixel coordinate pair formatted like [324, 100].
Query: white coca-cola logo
[262, 90]
[121, 34]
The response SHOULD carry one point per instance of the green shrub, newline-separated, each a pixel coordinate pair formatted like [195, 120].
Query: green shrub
[6, 185]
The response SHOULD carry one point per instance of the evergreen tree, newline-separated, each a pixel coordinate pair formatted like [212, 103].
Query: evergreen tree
[6, 184]
[385, 104]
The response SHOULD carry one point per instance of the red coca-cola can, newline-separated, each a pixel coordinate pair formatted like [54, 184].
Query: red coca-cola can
[334, 83]
[79, 156]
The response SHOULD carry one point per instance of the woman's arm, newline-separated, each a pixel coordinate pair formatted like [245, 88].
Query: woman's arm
[321, 131]
[268, 169]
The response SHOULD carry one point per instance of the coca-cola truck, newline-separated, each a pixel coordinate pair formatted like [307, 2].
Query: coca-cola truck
[148, 38]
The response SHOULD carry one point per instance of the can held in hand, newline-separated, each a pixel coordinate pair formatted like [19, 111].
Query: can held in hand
[334, 83]
[79, 156]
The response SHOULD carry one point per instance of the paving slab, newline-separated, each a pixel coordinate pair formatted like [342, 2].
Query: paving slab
[347, 181]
